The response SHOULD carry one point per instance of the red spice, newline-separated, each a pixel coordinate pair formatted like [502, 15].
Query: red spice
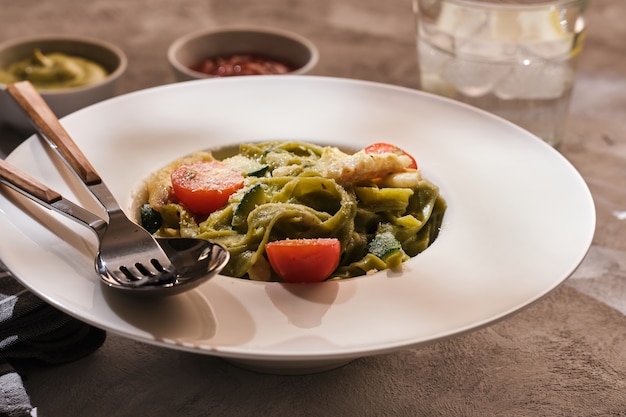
[241, 64]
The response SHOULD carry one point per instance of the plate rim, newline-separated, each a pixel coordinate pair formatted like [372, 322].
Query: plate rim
[354, 352]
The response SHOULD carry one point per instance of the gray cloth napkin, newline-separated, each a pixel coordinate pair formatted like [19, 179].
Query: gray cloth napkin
[32, 329]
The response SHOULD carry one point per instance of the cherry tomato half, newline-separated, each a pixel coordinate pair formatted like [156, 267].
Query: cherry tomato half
[204, 187]
[388, 148]
[304, 260]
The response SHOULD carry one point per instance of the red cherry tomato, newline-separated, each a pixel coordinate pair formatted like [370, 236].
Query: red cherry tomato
[304, 260]
[388, 148]
[204, 187]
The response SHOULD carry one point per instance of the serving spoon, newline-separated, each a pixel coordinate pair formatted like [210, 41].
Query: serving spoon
[129, 258]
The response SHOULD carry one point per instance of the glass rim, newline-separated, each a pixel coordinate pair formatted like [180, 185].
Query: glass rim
[515, 4]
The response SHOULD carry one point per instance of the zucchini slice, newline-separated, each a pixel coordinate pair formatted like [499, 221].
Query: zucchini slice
[254, 197]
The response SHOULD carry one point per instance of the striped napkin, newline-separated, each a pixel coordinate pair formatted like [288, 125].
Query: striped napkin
[32, 329]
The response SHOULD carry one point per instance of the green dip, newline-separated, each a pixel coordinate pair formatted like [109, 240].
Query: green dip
[54, 71]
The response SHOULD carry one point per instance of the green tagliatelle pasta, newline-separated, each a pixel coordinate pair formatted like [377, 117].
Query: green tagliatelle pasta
[381, 214]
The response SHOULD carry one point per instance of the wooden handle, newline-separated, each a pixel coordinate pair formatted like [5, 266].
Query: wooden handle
[44, 118]
[27, 184]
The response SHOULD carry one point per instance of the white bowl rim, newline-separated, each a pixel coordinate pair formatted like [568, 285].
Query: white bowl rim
[121, 68]
[176, 44]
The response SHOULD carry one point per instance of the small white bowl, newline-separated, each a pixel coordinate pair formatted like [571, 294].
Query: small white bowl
[189, 50]
[64, 101]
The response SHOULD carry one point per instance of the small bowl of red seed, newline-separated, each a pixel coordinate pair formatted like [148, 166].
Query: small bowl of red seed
[240, 50]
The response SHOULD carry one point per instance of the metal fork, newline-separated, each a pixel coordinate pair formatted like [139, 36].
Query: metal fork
[128, 253]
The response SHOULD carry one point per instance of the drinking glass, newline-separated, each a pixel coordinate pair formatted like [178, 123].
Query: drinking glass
[514, 58]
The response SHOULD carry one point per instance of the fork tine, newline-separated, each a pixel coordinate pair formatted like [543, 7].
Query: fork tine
[138, 275]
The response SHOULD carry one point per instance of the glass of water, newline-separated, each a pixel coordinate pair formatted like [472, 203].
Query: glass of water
[514, 58]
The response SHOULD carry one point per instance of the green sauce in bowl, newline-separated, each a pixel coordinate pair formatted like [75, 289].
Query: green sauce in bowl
[54, 71]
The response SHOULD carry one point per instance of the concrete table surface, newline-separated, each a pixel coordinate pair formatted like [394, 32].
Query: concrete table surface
[564, 356]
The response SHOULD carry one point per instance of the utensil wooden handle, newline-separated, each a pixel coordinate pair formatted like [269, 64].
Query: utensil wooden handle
[23, 181]
[49, 125]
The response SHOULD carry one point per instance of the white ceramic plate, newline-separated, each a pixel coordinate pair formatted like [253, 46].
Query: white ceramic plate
[519, 221]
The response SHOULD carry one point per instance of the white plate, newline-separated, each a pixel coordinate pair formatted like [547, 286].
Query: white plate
[520, 220]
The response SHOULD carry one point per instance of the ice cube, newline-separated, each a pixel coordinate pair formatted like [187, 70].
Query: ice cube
[537, 79]
[559, 48]
[474, 48]
[432, 61]
[539, 24]
[431, 58]
[474, 78]
[462, 21]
